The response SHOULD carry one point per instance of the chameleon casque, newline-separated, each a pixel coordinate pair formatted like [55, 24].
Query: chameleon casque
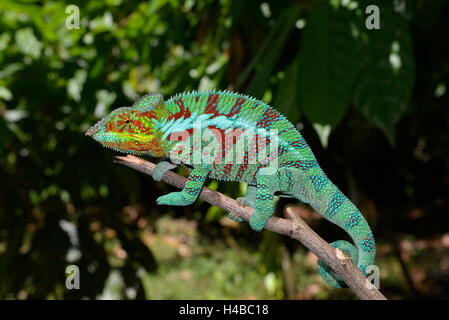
[157, 128]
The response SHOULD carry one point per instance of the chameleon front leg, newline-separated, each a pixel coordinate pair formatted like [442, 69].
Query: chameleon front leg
[191, 191]
[249, 199]
[161, 168]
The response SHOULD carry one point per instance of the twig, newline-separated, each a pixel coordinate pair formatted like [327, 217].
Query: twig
[295, 228]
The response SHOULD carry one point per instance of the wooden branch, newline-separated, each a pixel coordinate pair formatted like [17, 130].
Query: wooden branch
[295, 228]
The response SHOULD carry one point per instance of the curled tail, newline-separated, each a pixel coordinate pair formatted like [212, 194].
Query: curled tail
[333, 205]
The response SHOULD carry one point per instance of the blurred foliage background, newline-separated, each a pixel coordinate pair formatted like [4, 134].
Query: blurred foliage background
[373, 105]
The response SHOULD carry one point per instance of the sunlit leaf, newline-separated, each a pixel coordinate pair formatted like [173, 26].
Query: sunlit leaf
[28, 43]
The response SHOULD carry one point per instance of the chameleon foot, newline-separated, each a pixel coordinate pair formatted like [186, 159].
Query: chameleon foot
[161, 168]
[235, 217]
[174, 199]
[250, 197]
[258, 220]
[247, 201]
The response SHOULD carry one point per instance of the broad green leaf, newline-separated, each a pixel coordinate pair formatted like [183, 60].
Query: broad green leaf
[327, 65]
[245, 74]
[286, 100]
[386, 75]
[268, 55]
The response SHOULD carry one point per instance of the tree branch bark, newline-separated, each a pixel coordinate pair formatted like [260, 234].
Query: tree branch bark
[295, 228]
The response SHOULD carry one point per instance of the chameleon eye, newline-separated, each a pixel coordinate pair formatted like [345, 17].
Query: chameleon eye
[127, 121]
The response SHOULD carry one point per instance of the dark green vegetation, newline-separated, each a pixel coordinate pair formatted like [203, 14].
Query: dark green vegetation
[373, 105]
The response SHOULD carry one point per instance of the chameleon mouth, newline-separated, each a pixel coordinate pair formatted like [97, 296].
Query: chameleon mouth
[95, 128]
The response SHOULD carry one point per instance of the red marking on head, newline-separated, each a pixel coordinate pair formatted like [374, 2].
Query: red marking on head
[139, 122]
[156, 148]
[148, 114]
[122, 125]
[123, 122]
[109, 126]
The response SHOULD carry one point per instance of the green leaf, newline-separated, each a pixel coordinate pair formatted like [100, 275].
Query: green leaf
[384, 85]
[35, 13]
[287, 100]
[5, 93]
[326, 64]
[267, 57]
[27, 43]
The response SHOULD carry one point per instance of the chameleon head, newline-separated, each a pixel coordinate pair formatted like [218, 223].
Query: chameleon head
[131, 129]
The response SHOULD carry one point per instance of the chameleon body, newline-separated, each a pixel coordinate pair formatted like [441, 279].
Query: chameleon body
[172, 130]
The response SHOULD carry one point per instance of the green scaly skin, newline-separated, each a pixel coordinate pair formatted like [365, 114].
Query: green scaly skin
[168, 129]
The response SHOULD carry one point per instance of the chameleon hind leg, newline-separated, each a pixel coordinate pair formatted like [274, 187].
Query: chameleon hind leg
[248, 199]
[267, 184]
[191, 191]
